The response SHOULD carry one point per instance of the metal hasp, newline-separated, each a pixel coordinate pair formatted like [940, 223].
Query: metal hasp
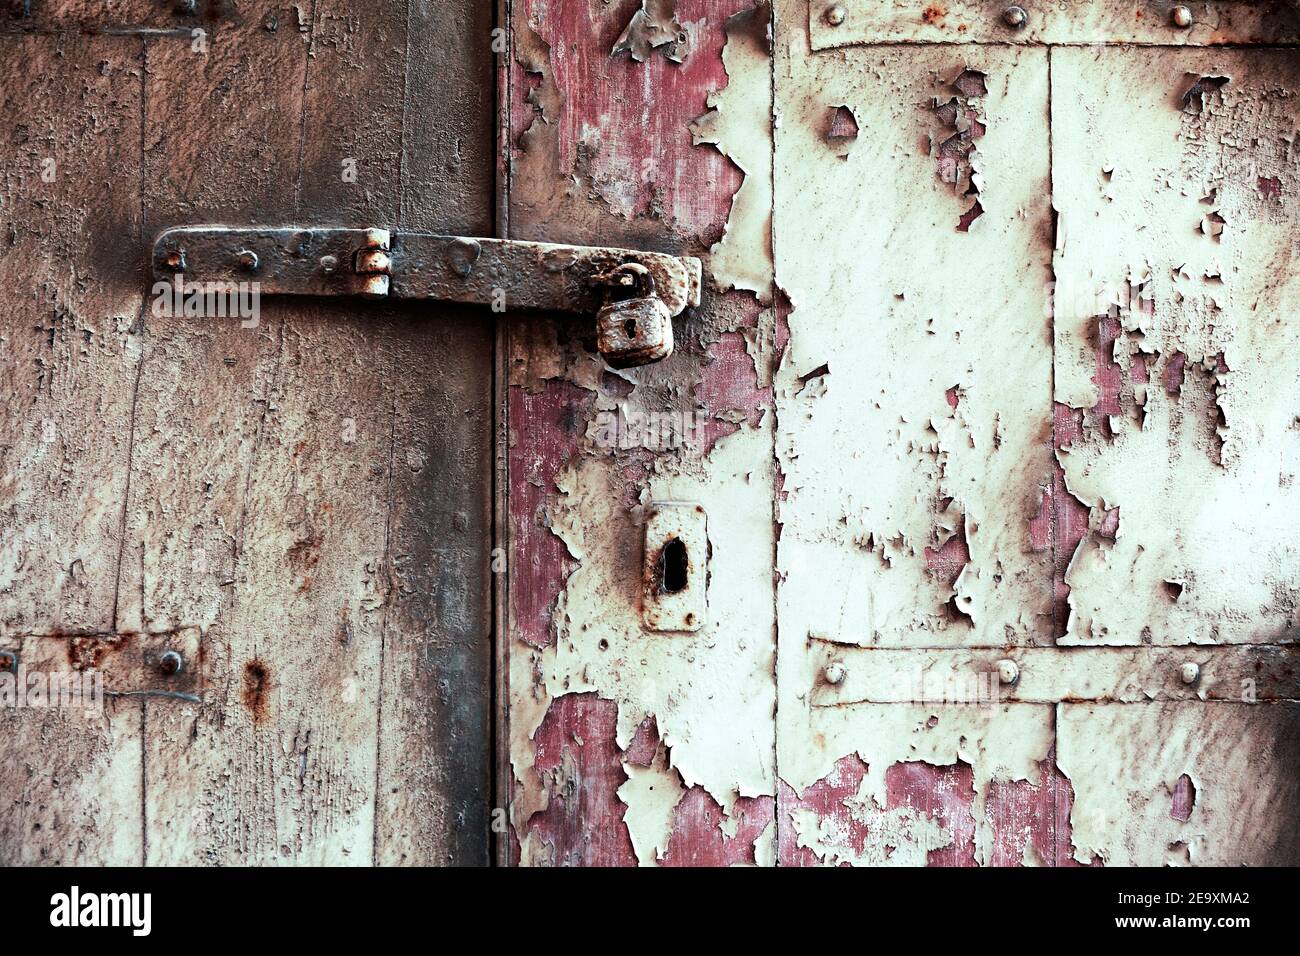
[377, 263]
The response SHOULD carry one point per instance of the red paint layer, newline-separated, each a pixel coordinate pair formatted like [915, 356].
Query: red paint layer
[582, 765]
[544, 434]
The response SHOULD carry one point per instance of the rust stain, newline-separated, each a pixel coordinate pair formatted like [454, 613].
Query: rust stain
[257, 687]
[85, 652]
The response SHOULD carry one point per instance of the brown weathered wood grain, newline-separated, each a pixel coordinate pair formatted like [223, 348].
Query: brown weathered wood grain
[313, 492]
[70, 347]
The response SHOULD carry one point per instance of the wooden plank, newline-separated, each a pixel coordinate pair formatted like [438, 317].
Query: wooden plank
[1133, 807]
[602, 151]
[435, 730]
[113, 16]
[263, 454]
[70, 342]
[329, 470]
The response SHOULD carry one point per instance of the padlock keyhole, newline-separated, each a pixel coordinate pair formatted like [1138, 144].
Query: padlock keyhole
[673, 565]
[630, 328]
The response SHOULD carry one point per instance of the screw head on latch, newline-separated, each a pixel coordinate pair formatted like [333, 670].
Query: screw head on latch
[1190, 672]
[175, 260]
[835, 15]
[171, 663]
[329, 264]
[1181, 17]
[834, 673]
[1008, 671]
[1015, 17]
[248, 260]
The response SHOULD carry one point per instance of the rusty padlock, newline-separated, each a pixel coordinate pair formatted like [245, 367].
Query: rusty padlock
[637, 330]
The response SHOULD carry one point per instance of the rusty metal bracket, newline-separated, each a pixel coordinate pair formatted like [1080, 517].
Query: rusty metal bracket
[377, 263]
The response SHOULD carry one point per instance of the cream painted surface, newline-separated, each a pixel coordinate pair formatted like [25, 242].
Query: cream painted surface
[1124, 762]
[711, 691]
[915, 407]
[903, 308]
[1205, 479]
[742, 258]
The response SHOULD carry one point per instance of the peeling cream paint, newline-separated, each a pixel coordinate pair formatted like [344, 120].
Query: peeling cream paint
[1125, 760]
[898, 837]
[654, 27]
[651, 795]
[710, 691]
[932, 421]
[917, 408]
[1204, 473]
[737, 124]
[1005, 742]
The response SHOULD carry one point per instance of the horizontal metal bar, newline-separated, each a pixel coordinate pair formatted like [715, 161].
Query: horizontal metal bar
[841, 23]
[499, 273]
[847, 674]
[528, 275]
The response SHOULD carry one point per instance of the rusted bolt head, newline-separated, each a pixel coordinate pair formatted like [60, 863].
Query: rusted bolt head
[1190, 673]
[1181, 16]
[8, 661]
[834, 673]
[175, 260]
[835, 15]
[171, 663]
[329, 264]
[1015, 17]
[1008, 671]
[248, 260]
[185, 6]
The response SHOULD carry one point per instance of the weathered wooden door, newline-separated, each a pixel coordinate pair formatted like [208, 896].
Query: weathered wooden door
[988, 422]
[992, 412]
[299, 507]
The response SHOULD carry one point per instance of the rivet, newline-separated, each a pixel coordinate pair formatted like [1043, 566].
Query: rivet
[1181, 17]
[175, 260]
[1008, 671]
[1015, 17]
[8, 661]
[835, 15]
[171, 663]
[1191, 672]
[834, 673]
[248, 260]
[328, 264]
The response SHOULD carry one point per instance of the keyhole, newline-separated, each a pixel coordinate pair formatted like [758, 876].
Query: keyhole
[630, 328]
[673, 564]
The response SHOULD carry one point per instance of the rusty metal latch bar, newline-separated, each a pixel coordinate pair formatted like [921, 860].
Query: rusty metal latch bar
[377, 263]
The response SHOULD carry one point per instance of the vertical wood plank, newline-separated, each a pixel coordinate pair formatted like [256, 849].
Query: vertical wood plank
[435, 753]
[602, 152]
[276, 467]
[69, 347]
